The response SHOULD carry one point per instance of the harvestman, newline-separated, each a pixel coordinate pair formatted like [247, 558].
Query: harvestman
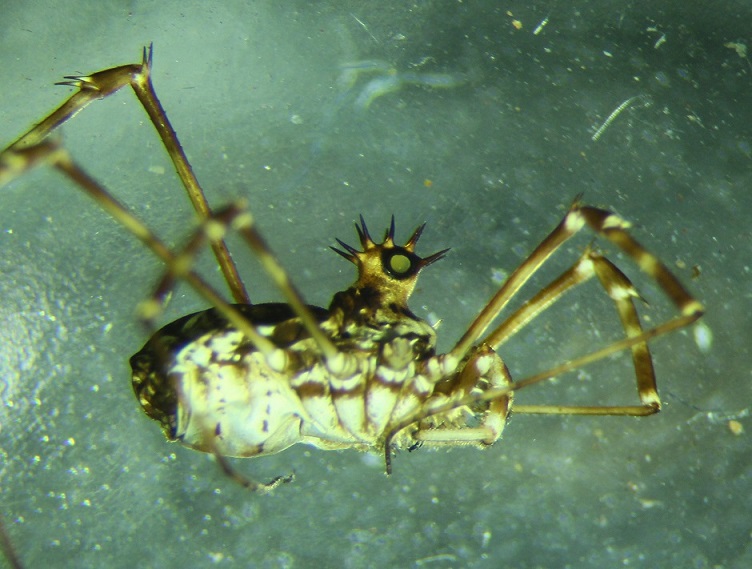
[245, 380]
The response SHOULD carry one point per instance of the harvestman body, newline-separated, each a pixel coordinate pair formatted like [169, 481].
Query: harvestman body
[247, 380]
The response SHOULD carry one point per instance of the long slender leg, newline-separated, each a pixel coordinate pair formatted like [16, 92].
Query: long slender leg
[252, 485]
[622, 292]
[176, 264]
[579, 273]
[32, 148]
[103, 84]
[336, 361]
[616, 285]
[510, 287]
[237, 217]
[603, 223]
[49, 152]
[501, 393]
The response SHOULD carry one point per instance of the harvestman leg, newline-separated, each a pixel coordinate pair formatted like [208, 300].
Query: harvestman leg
[35, 148]
[49, 153]
[623, 293]
[238, 218]
[179, 266]
[616, 285]
[103, 84]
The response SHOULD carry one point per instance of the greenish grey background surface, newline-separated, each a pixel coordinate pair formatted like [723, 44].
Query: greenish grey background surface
[86, 480]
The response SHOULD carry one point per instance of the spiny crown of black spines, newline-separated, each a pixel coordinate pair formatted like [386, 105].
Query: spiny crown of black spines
[390, 268]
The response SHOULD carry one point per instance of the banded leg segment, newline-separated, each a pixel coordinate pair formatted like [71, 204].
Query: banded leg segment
[56, 156]
[622, 293]
[501, 393]
[237, 217]
[103, 84]
[178, 266]
[616, 285]
[604, 223]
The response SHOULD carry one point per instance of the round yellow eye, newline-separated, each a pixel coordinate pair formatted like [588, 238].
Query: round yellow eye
[400, 264]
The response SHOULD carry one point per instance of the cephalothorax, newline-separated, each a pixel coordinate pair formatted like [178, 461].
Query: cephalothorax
[245, 380]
